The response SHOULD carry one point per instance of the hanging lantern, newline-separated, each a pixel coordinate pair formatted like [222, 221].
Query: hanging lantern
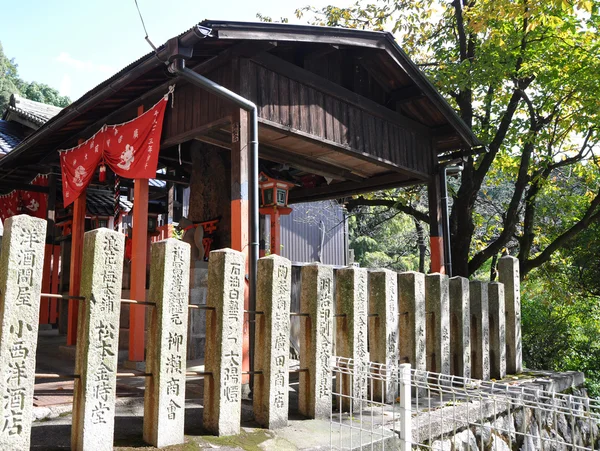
[102, 173]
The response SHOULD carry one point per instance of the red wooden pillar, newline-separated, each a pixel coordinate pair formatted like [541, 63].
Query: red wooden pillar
[436, 235]
[139, 255]
[240, 232]
[46, 277]
[54, 284]
[275, 232]
[139, 246]
[77, 231]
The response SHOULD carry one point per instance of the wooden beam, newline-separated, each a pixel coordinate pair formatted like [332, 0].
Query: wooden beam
[137, 313]
[139, 255]
[305, 164]
[436, 234]
[240, 212]
[294, 72]
[24, 187]
[173, 179]
[407, 93]
[339, 37]
[77, 231]
[278, 155]
[246, 49]
[195, 133]
[346, 150]
[346, 189]
[210, 139]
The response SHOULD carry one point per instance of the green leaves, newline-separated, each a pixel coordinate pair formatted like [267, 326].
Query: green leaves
[10, 83]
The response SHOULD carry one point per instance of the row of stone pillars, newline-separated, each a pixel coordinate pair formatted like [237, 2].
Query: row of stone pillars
[429, 321]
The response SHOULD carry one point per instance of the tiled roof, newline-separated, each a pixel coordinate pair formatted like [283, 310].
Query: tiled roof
[11, 135]
[35, 112]
[101, 203]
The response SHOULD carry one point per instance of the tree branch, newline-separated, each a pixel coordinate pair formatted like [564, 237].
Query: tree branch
[390, 203]
[590, 216]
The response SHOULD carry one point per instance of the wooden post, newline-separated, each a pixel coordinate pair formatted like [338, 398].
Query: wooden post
[77, 231]
[55, 284]
[137, 313]
[275, 232]
[46, 274]
[54, 250]
[436, 236]
[139, 256]
[240, 211]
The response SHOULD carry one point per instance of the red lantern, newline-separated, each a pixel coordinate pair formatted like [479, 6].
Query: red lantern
[102, 173]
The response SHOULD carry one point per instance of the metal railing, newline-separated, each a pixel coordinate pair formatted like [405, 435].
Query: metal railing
[402, 408]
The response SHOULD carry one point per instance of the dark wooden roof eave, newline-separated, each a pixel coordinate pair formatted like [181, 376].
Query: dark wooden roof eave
[343, 36]
[68, 120]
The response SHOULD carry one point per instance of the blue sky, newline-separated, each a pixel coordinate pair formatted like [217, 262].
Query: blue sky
[73, 45]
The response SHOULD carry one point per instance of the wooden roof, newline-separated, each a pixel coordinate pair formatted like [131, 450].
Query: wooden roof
[399, 85]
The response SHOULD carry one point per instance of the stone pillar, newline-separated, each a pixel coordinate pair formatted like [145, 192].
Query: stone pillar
[460, 327]
[21, 263]
[437, 310]
[272, 344]
[97, 341]
[223, 390]
[197, 317]
[316, 341]
[383, 330]
[508, 274]
[480, 331]
[351, 333]
[497, 324]
[411, 299]
[164, 397]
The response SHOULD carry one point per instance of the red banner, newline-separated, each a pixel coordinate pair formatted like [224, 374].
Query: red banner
[78, 164]
[129, 149]
[27, 202]
[8, 205]
[36, 204]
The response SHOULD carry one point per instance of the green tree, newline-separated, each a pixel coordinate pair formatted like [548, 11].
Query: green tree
[520, 73]
[8, 79]
[10, 83]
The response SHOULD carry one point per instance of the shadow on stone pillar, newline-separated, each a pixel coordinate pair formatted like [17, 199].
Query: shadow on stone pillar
[480, 331]
[508, 274]
[460, 327]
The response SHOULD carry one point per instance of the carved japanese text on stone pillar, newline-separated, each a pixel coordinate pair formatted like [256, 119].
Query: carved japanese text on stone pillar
[316, 341]
[271, 356]
[21, 264]
[497, 324]
[411, 298]
[509, 275]
[97, 341]
[164, 397]
[460, 327]
[223, 390]
[480, 343]
[351, 332]
[383, 330]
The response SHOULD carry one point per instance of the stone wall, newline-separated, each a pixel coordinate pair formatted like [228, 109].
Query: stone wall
[542, 422]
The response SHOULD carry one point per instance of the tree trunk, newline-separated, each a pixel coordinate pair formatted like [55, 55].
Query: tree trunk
[210, 190]
[421, 244]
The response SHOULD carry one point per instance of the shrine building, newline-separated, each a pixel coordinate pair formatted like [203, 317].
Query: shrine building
[253, 118]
